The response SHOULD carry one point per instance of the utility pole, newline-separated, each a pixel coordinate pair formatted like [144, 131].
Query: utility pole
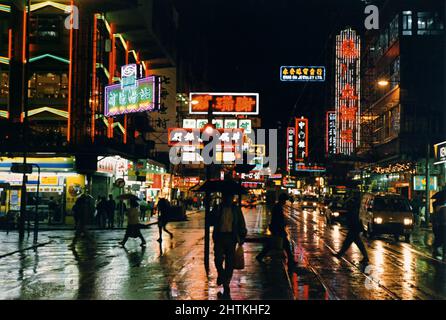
[427, 210]
[25, 72]
[207, 204]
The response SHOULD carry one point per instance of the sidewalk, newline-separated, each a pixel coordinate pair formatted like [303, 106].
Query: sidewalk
[104, 270]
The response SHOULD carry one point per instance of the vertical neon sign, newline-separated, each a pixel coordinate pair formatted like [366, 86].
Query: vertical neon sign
[347, 91]
[290, 147]
[301, 139]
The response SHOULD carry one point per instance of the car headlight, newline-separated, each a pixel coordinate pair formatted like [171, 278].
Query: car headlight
[336, 214]
[378, 220]
[407, 222]
[305, 203]
[326, 207]
[314, 204]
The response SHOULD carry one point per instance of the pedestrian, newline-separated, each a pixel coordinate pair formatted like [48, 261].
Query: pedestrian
[439, 228]
[150, 207]
[83, 212]
[354, 229]
[416, 204]
[229, 229]
[122, 208]
[52, 208]
[101, 211]
[163, 218]
[143, 209]
[111, 207]
[133, 226]
[277, 228]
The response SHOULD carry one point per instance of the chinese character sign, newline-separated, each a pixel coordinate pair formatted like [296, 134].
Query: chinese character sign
[301, 139]
[224, 103]
[330, 136]
[130, 99]
[290, 148]
[347, 92]
[194, 137]
[300, 73]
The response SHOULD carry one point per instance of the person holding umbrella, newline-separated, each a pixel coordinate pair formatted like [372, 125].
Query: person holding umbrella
[439, 224]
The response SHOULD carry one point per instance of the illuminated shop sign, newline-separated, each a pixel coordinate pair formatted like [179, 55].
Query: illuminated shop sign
[290, 145]
[440, 152]
[193, 137]
[302, 73]
[129, 75]
[224, 103]
[245, 124]
[330, 136]
[347, 91]
[309, 168]
[130, 99]
[419, 183]
[301, 139]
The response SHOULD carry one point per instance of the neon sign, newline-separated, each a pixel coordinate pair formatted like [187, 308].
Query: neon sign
[140, 98]
[301, 138]
[302, 73]
[331, 133]
[224, 103]
[291, 139]
[347, 93]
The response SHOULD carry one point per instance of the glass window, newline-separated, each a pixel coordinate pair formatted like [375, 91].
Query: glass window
[45, 28]
[429, 23]
[393, 30]
[407, 23]
[48, 85]
[4, 85]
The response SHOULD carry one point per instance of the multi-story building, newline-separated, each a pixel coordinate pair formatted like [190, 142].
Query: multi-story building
[55, 61]
[403, 82]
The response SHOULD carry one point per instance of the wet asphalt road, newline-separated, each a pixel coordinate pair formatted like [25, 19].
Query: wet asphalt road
[101, 269]
[397, 270]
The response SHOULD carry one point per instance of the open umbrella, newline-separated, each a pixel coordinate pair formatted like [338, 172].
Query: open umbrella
[128, 196]
[223, 186]
[440, 195]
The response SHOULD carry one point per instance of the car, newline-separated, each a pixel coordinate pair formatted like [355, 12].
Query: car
[335, 211]
[386, 214]
[308, 202]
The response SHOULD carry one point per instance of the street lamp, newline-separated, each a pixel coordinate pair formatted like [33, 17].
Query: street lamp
[383, 83]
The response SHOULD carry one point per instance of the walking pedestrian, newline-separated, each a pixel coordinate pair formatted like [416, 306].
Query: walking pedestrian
[101, 211]
[143, 209]
[133, 226]
[163, 217]
[229, 229]
[354, 229]
[83, 212]
[52, 208]
[111, 207]
[277, 228]
[439, 228]
[122, 208]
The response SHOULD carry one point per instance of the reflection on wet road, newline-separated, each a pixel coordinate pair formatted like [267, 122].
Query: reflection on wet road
[396, 271]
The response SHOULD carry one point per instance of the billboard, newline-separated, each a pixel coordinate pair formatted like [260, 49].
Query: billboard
[302, 73]
[187, 137]
[290, 149]
[440, 152]
[347, 91]
[224, 103]
[330, 134]
[122, 100]
[301, 138]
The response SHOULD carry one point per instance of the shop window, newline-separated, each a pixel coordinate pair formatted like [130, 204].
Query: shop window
[407, 23]
[48, 86]
[45, 28]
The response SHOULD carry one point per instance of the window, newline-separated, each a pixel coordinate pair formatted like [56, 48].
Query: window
[48, 86]
[429, 23]
[393, 30]
[46, 28]
[4, 85]
[407, 23]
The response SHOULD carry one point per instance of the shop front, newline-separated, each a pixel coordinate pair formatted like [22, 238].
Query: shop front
[59, 186]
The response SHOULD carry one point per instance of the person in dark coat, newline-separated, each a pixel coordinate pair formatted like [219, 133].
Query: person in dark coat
[277, 228]
[439, 228]
[354, 229]
[83, 212]
[110, 207]
[229, 229]
[122, 210]
[101, 209]
[163, 218]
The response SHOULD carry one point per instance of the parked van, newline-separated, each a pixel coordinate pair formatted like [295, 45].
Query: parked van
[386, 214]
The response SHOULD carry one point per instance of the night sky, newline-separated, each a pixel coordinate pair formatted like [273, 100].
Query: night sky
[248, 41]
